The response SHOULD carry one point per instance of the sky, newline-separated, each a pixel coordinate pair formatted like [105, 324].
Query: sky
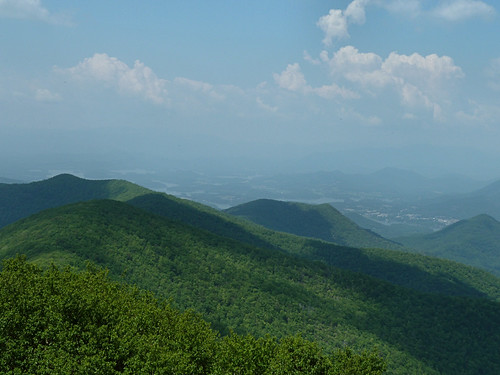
[294, 84]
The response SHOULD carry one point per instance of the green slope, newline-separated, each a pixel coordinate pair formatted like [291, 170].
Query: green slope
[256, 290]
[418, 272]
[475, 241]
[21, 200]
[316, 221]
[415, 271]
[65, 322]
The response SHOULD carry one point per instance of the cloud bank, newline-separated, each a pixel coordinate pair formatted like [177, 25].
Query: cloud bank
[31, 9]
[138, 80]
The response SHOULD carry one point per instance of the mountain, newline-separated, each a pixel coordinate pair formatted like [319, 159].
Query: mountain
[405, 269]
[261, 290]
[474, 241]
[422, 273]
[315, 221]
[464, 206]
[21, 200]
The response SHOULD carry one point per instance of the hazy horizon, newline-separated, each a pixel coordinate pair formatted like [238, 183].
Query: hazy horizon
[225, 86]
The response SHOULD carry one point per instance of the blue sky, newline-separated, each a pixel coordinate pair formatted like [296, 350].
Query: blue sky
[347, 85]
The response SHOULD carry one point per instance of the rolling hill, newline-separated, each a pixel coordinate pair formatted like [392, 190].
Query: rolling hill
[409, 270]
[316, 221]
[261, 290]
[21, 200]
[474, 241]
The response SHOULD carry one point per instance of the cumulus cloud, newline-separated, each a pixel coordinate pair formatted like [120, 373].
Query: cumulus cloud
[419, 80]
[291, 78]
[30, 9]
[355, 11]
[335, 23]
[137, 80]
[462, 9]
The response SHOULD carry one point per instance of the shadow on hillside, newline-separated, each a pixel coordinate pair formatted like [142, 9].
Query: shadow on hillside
[399, 273]
[171, 208]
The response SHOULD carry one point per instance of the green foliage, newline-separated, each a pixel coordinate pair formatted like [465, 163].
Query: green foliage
[429, 275]
[317, 221]
[347, 362]
[473, 242]
[238, 275]
[296, 356]
[20, 200]
[262, 291]
[62, 322]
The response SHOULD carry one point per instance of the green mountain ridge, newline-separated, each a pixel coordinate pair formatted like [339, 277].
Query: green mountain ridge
[475, 241]
[410, 270]
[316, 221]
[414, 271]
[260, 291]
[21, 200]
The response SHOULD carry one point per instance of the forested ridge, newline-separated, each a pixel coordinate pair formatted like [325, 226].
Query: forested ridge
[474, 241]
[260, 291]
[316, 221]
[58, 321]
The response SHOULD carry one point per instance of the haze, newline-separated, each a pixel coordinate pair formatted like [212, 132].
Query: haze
[249, 87]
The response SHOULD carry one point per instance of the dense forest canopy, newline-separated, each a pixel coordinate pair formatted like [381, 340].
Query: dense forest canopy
[59, 321]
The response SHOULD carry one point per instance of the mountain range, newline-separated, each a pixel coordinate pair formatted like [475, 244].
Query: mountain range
[316, 221]
[426, 315]
[474, 241]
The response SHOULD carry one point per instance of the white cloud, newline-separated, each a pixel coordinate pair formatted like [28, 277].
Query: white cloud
[30, 9]
[45, 95]
[355, 11]
[309, 58]
[334, 90]
[265, 106]
[418, 80]
[200, 87]
[358, 67]
[462, 9]
[139, 80]
[334, 25]
[291, 78]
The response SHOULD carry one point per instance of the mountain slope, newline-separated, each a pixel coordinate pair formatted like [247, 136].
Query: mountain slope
[263, 291]
[20, 200]
[422, 273]
[409, 270]
[475, 241]
[464, 206]
[315, 221]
